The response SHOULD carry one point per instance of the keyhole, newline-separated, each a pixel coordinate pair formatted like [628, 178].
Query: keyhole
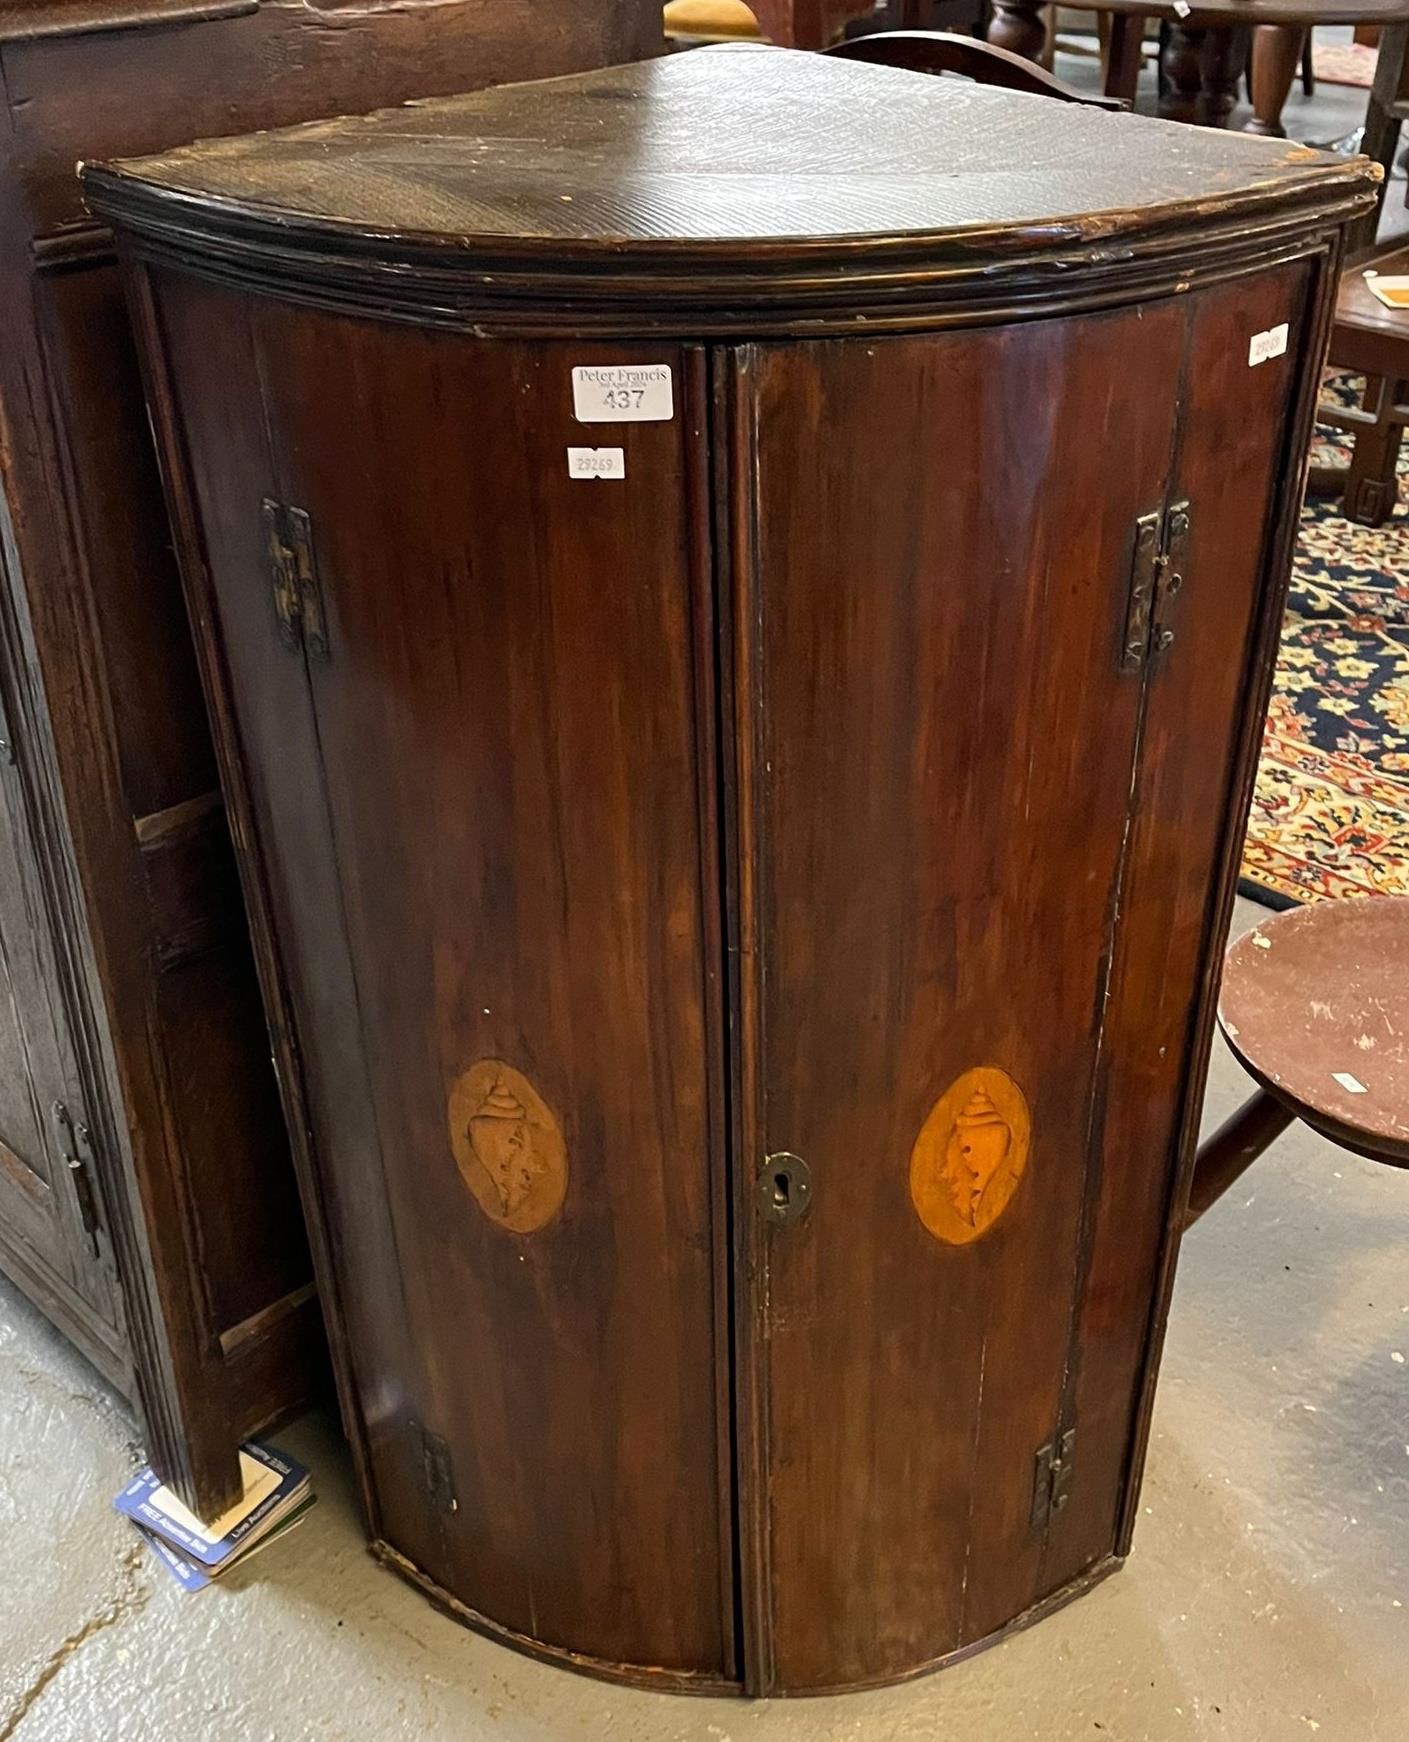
[784, 1187]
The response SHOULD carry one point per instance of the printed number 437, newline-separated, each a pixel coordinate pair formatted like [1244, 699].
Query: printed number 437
[623, 398]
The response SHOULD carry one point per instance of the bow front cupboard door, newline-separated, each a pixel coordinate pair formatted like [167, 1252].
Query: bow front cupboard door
[981, 863]
[738, 727]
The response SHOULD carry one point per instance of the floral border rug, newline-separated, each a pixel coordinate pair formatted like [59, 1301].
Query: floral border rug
[1330, 814]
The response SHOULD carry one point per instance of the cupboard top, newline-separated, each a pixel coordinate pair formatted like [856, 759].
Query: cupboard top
[722, 180]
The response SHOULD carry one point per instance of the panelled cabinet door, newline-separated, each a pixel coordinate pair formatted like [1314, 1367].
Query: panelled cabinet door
[932, 622]
[48, 1197]
[487, 810]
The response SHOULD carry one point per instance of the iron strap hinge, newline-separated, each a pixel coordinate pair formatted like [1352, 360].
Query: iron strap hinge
[74, 1137]
[1051, 1479]
[1156, 579]
[7, 737]
[436, 1469]
[293, 577]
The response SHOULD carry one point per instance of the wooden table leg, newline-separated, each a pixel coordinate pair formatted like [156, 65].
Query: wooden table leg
[1220, 67]
[1276, 55]
[1018, 26]
[809, 24]
[1372, 483]
[1179, 62]
[1124, 52]
[1233, 1148]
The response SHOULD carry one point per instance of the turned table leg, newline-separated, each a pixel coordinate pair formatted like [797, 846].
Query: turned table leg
[1200, 69]
[1371, 483]
[1179, 63]
[1220, 66]
[1276, 55]
[1018, 26]
[1124, 49]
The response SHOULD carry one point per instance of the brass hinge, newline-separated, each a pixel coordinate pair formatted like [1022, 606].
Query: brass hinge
[1051, 1480]
[436, 1470]
[293, 577]
[72, 1135]
[1156, 578]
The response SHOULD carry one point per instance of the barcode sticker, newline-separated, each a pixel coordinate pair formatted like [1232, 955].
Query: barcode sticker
[597, 462]
[1262, 347]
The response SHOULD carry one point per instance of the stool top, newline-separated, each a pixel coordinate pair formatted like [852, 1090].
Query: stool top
[1315, 1002]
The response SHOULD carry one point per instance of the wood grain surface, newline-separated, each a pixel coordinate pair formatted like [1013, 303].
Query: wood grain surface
[923, 920]
[1315, 1002]
[852, 150]
[877, 196]
[507, 763]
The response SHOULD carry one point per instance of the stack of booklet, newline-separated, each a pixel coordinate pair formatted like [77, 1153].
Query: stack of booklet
[277, 1495]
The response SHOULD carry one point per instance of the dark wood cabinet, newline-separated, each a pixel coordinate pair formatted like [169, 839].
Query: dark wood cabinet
[146, 1198]
[737, 678]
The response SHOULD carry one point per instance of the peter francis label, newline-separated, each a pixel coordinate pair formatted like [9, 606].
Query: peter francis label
[623, 393]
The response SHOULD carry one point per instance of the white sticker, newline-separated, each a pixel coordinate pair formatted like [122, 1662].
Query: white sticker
[1183, 8]
[1352, 1085]
[623, 393]
[1262, 347]
[597, 462]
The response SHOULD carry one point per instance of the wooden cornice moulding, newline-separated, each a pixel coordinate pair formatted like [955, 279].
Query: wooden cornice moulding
[451, 211]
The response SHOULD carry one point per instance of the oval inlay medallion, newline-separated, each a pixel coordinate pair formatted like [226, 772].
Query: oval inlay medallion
[508, 1146]
[970, 1155]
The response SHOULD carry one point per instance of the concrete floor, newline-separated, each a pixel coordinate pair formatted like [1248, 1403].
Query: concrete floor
[1267, 1595]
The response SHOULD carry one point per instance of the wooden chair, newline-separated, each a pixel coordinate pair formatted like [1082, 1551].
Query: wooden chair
[1388, 108]
[937, 51]
[1315, 1005]
[813, 24]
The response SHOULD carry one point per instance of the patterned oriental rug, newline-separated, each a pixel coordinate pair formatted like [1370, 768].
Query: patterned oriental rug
[1344, 63]
[1330, 815]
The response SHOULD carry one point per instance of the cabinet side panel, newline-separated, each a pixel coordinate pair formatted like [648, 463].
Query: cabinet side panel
[507, 717]
[181, 949]
[222, 473]
[1231, 454]
[942, 790]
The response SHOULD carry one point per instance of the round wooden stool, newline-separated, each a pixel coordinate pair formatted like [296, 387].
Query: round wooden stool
[1315, 1004]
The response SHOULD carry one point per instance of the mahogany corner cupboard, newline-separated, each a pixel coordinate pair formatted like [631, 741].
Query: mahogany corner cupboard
[736, 624]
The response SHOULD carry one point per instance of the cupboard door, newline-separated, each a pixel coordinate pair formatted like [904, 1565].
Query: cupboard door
[933, 810]
[1236, 468]
[504, 693]
[48, 1206]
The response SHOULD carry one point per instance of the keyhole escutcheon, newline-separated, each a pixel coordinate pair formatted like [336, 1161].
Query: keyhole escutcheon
[785, 1188]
